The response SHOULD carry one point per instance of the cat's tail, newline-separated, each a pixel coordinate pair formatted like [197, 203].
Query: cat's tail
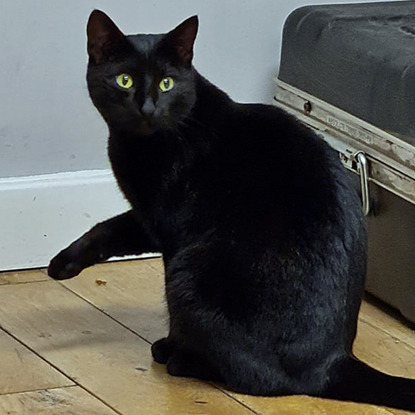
[353, 380]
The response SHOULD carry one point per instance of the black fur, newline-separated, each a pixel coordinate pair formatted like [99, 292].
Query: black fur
[262, 235]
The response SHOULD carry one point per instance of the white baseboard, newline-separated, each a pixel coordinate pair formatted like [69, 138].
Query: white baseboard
[40, 215]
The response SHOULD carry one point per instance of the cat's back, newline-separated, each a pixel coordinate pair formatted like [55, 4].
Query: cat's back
[264, 135]
[276, 134]
[270, 160]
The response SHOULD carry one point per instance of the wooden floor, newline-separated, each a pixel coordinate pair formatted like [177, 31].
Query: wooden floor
[83, 347]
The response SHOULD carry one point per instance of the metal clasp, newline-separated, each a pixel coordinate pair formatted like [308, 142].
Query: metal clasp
[357, 162]
[363, 170]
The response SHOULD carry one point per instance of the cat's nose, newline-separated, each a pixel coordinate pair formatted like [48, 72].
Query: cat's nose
[148, 108]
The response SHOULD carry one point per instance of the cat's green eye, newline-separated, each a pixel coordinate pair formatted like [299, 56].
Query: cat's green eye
[124, 80]
[166, 84]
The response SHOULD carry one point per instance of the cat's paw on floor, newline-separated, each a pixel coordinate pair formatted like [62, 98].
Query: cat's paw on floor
[161, 351]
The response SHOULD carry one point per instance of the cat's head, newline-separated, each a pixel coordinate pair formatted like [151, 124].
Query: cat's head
[141, 83]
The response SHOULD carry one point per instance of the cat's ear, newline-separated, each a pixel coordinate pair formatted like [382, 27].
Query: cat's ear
[182, 39]
[102, 34]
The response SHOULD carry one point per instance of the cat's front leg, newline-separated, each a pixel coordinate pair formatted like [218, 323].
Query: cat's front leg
[182, 363]
[118, 236]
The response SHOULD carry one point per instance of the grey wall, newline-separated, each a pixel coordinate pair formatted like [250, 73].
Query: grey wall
[47, 123]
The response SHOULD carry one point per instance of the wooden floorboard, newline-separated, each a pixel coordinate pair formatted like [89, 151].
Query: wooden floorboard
[388, 321]
[63, 401]
[383, 351]
[95, 332]
[130, 292]
[305, 405]
[21, 277]
[101, 355]
[22, 370]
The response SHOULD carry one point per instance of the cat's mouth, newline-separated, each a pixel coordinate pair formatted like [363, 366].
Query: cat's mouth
[146, 126]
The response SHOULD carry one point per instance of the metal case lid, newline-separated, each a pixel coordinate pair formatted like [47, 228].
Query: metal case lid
[357, 57]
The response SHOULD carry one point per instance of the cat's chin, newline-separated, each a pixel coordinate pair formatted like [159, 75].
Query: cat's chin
[134, 129]
[146, 128]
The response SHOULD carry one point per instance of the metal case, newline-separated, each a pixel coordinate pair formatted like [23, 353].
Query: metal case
[348, 71]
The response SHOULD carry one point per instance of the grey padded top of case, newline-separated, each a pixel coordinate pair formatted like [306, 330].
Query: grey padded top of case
[358, 57]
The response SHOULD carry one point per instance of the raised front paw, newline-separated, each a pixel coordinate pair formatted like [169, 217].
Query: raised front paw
[72, 260]
[63, 266]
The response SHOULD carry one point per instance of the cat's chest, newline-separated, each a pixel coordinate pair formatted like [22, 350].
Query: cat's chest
[155, 180]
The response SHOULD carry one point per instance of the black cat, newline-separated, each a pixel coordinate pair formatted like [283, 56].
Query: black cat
[262, 235]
